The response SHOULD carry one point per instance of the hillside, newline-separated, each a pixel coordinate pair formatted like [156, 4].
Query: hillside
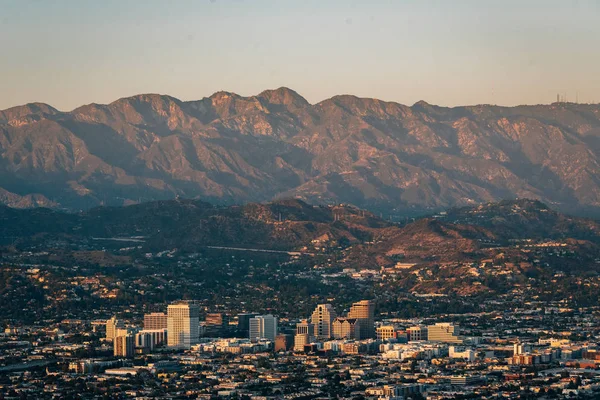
[352, 236]
[190, 224]
[230, 149]
[524, 219]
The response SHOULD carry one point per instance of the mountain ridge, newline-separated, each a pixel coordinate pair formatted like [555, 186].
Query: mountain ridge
[228, 148]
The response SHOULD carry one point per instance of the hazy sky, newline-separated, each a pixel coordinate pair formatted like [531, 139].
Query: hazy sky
[68, 53]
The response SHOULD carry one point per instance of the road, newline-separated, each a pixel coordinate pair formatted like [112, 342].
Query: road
[290, 253]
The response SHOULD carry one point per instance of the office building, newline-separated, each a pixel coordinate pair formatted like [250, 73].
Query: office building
[112, 325]
[183, 323]
[305, 327]
[301, 340]
[244, 323]
[263, 327]
[386, 332]
[155, 321]
[466, 379]
[284, 342]
[322, 318]
[417, 333]
[462, 353]
[124, 346]
[346, 328]
[364, 312]
[305, 334]
[145, 341]
[159, 336]
[216, 324]
[521, 348]
[444, 332]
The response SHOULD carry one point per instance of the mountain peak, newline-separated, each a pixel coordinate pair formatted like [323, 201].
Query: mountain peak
[223, 94]
[422, 103]
[284, 96]
[31, 108]
[147, 98]
[26, 114]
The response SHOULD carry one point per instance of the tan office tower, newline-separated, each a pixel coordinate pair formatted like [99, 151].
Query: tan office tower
[346, 328]
[112, 327]
[183, 324]
[364, 312]
[322, 318]
[305, 334]
[305, 327]
[301, 340]
[155, 321]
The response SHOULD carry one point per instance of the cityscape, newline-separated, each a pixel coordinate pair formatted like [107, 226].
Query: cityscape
[534, 353]
[299, 200]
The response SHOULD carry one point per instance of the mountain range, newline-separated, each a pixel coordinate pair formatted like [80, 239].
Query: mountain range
[228, 149]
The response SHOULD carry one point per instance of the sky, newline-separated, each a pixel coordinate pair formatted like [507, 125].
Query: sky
[69, 53]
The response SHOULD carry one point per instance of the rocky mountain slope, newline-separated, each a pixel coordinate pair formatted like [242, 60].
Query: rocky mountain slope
[229, 149]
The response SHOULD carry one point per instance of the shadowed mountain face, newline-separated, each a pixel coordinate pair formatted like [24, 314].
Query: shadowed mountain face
[465, 234]
[231, 149]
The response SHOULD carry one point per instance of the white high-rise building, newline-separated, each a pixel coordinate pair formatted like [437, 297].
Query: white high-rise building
[263, 327]
[183, 323]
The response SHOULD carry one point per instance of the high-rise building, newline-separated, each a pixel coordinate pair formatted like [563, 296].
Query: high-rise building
[521, 348]
[364, 312]
[112, 325]
[305, 327]
[444, 332]
[183, 323]
[244, 323]
[124, 346]
[263, 327]
[144, 340]
[155, 321]
[322, 318]
[216, 324]
[346, 328]
[284, 342]
[305, 334]
[301, 340]
[159, 336]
